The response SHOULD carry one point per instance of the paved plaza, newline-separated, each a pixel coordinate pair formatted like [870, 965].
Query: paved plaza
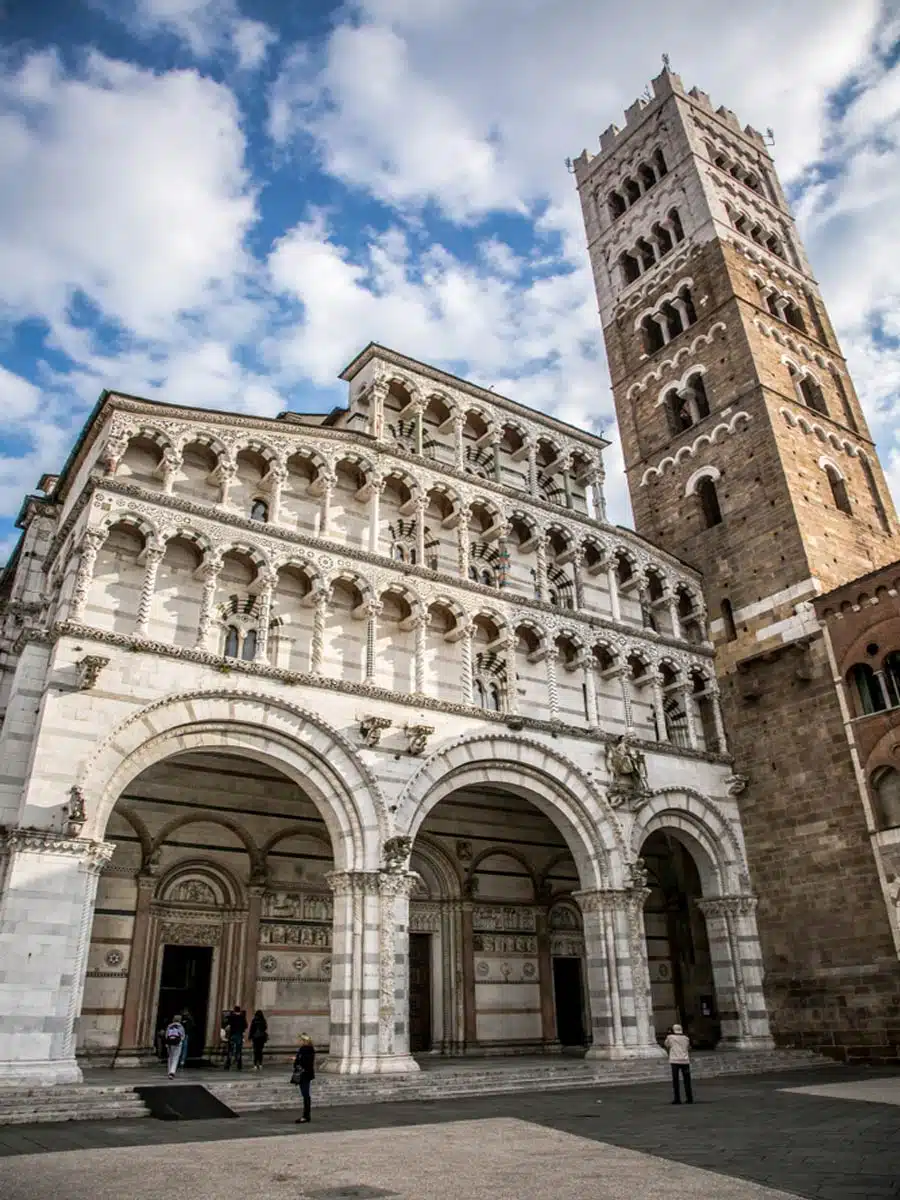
[747, 1138]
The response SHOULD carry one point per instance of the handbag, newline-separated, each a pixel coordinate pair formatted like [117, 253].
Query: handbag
[297, 1075]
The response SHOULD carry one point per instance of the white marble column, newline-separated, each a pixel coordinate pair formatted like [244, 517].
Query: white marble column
[659, 707]
[328, 484]
[420, 624]
[152, 557]
[737, 970]
[715, 702]
[459, 424]
[613, 585]
[467, 638]
[277, 477]
[690, 718]
[463, 534]
[618, 975]
[541, 567]
[512, 678]
[373, 609]
[91, 541]
[46, 914]
[551, 658]
[674, 617]
[369, 982]
[267, 584]
[421, 509]
[317, 645]
[590, 689]
[209, 573]
[376, 487]
[379, 394]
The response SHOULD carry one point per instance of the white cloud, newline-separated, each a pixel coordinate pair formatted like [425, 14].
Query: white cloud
[126, 186]
[207, 27]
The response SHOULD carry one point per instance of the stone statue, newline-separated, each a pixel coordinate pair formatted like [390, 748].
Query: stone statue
[626, 763]
[638, 874]
[396, 855]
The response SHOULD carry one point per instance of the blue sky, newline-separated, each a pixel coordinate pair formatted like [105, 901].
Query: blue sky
[219, 202]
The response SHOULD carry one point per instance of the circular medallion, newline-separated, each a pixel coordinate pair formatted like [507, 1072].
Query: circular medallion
[482, 969]
[529, 970]
[114, 958]
[299, 965]
[662, 970]
[268, 963]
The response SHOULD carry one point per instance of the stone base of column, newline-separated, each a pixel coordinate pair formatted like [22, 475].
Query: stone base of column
[750, 1042]
[394, 1064]
[42, 1072]
[617, 1053]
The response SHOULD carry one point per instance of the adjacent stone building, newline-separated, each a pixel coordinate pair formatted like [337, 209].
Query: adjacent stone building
[748, 455]
[370, 720]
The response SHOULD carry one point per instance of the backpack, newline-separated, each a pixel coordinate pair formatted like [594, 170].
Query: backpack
[173, 1036]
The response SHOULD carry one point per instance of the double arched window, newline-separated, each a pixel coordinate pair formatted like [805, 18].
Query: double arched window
[838, 486]
[240, 643]
[875, 690]
[488, 694]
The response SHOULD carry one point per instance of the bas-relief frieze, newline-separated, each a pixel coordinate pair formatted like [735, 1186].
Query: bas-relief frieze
[294, 935]
[566, 947]
[497, 919]
[298, 906]
[489, 943]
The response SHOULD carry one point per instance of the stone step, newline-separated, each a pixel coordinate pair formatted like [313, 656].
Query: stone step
[251, 1092]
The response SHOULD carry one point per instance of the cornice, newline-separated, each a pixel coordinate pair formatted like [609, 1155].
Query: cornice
[291, 537]
[93, 855]
[68, 629]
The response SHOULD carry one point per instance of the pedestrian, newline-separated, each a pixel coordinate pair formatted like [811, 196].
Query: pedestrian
[678, 1047]
[188, 1022]
[259, 1035]
[304, 1073]
[235, 1027]
[174, 1038]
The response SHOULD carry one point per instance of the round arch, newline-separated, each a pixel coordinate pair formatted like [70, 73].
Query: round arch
[702, 829]
[503, 852]
[438, 865]
[555, 785]
[228, 823]
[285, 736]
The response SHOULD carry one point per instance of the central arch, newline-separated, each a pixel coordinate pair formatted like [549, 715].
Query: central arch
[551, 782]
[295, 741]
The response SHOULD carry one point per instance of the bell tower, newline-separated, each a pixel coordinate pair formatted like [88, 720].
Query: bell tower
[748, 454]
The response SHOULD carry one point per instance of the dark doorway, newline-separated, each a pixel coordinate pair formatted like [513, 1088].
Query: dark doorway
[567, 990]
[419, 992]
[184, 988]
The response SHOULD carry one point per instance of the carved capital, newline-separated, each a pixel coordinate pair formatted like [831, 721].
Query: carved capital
[89, 669]
[723, 906]
[371, 727]
[397, 851]
[93, 855]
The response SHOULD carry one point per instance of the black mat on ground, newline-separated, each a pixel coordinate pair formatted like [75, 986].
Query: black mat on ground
[183, 1102]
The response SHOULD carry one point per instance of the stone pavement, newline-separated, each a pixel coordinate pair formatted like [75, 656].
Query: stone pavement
[758, 1137]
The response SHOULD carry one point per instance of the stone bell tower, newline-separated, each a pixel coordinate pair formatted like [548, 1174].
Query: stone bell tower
[748, 454]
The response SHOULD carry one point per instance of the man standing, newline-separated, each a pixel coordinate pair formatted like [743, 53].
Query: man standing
[678, 1047]
[188, 1022]
[235, 1027]
[174, 1039]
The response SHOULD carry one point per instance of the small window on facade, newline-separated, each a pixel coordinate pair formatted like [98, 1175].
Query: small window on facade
[866, 688]
[248, 650]
[709, 503]
[232, 642]
[259, 511]
[838, 491]
[728, 620]
[676, 224]
[659, 161]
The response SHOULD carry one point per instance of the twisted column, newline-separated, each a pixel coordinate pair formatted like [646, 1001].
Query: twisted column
[153, 556]
[421, 627]
[459, 424]
[373, 609]
[540, 581]
[421, 509]
[590, 689]
[613, 584]
[91, 542]
[715, 701]
[463, 542]
[578, 578]
[376, 485]
[551, 657]
[317, 647]
[512, 679]
[659, 708]
[468, 636]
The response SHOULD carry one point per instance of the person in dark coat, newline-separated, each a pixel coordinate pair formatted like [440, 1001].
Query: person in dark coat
[304, 1073]
[259, 1035]
[235, 1028]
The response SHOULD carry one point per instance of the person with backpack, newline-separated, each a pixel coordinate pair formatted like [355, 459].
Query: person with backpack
[174, 1040]
[304, 1073]
[258, 1035]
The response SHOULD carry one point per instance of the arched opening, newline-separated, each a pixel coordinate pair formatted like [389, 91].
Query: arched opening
[616, 205]
[140, 464]
[678, 952]
[885, 784]
[865, 687]
[838, 487]
[728, 620]
[652, 335]
[176, 928]
[514, 979]
[709, 502]
[196, 477]
[115, 591]
[177, 595]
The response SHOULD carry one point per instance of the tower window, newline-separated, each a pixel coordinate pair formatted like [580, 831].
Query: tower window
[867, 690]
[659, 162]
[675, 220]
[652, 334]
[648, 179]
[232, 642]
[838, 489]
[709, 502]
[812, 395]
[728, 620]
[663, 239]
[616, 205]
[630, 268]
[632, 190]
[645, 250]
[874, 493]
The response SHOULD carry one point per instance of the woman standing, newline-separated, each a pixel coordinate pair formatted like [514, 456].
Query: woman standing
[304, 1073]
[259, 1035]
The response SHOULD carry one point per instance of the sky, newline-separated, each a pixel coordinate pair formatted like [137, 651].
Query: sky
[220, 202]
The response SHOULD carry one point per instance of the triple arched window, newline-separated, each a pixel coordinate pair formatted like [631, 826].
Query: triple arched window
[632, 187]
[664, 235]
[673, 317]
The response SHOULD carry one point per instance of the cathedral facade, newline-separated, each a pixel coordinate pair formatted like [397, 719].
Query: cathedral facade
[372, 721]
[748, 455]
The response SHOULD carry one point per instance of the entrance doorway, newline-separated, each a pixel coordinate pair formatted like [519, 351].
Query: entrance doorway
[184, 988]
[568, 994]
[419, 992]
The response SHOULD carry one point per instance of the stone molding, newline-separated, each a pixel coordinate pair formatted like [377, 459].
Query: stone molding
[93, 855]
[721, 906]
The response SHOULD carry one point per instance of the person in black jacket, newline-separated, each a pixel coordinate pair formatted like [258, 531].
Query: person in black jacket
[304, 1073]
[259, 1035]
[235, 1028]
